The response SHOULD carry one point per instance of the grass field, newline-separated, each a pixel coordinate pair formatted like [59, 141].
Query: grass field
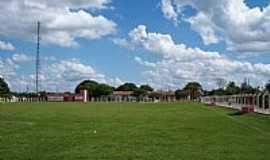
[99, 131]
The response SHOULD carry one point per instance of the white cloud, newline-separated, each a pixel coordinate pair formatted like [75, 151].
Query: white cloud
[73, 70]
[62, 21]
[10, 65]
[20, 58]
[169, 11]
[114, 81]
[180, 64]
[243, 28]
[55, 75]
[66, 74]
[144, 63]
[123, 43]
[6, 46]
[164, 45]
[95, 4]
[202, 24]
[7, 67]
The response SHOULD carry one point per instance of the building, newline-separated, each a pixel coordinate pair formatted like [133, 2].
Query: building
[163, 96]
[259, 102]
[67, 97]
[116, 96]
[119, 96]
[55, 97]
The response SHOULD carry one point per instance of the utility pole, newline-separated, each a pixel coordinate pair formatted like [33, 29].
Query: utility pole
[37, 58]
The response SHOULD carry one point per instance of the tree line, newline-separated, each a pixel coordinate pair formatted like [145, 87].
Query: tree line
[96, 89]
[191, 91]
[194, 90]
[244, 88]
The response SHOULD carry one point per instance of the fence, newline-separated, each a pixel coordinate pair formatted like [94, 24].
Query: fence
[99, 99]
[259, 103]
[21, 99]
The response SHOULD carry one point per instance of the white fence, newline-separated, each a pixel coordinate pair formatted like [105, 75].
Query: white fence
[260, 103]
[21, 99]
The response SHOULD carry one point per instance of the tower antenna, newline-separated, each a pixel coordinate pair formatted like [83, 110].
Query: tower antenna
[37, 58]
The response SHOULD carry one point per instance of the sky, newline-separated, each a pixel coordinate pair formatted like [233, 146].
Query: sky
[163, 43]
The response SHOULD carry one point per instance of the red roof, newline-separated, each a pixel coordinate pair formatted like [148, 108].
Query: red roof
[123, 93]
[61, 94]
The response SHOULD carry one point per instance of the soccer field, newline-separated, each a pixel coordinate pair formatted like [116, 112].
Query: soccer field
[129, 131]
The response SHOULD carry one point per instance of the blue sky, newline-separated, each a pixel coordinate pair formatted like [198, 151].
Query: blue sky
[97, 56]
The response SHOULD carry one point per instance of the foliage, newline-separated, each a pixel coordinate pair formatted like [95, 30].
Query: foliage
[221, 83]
[88, 85]
[247, 89]
[94, 88]
[180, 94]
[102, 90]
[26, 94]
[217, 92]
[193, 90]
[143, 90]
[127, 87]
[139, 92]
[267, 86]
[146, 88]
[232, 89]
[4, 89]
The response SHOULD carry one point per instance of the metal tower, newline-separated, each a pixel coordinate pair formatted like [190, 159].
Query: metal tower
[37, 58]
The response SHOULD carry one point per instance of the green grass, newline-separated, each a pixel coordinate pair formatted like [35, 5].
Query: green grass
[66, 131]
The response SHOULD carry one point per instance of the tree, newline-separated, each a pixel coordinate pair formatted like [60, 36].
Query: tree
[232, 89]
[139, 92]
[103, 90]
[127, 87]
[146, 88]
[94, 88]
[247, 89]
[4, 89]
[28, 95]
[88, 85]
[218, 92]
[221, 83]
[142, 91]
[193, 90]
[180, 94]
[267, 86]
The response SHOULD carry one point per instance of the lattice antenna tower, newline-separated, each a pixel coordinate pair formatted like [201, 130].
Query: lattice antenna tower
[38, 58]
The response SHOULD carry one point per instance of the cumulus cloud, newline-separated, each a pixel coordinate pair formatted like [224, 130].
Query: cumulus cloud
[164, 45]
[10, 64]
[20, 58]
[6, 46]
[68, 73]
[62, 21]
[243, 28]
[169, 11]
[55, 75]
[123, 43]
[202, 24]
[144, 63]
[7, 67]
[180, 64]
[95, 4]
[73, 70]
